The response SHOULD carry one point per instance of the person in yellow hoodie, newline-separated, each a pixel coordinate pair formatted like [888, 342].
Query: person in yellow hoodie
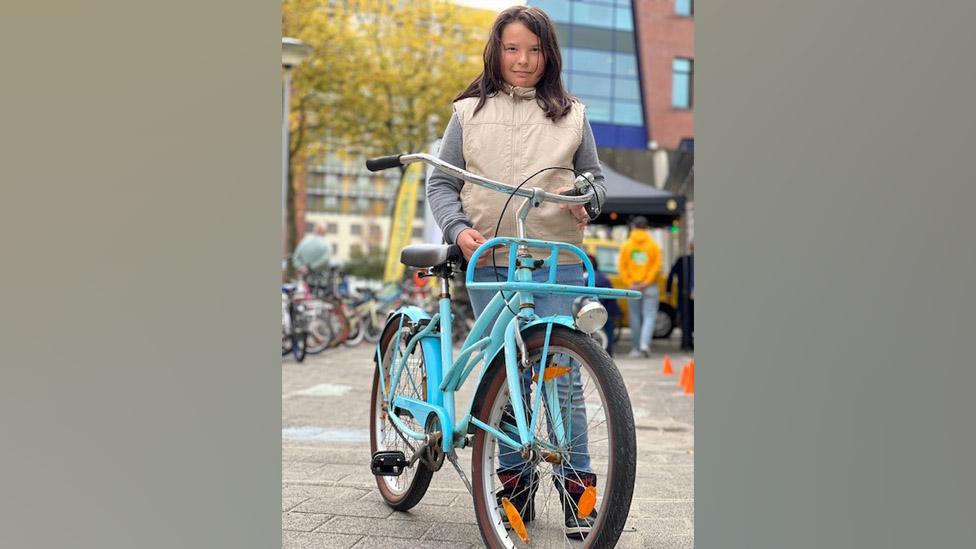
[638, 264]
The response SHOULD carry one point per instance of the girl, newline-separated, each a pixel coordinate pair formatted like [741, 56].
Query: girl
[513, 120]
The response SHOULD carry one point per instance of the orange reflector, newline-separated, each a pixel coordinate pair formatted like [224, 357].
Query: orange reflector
[552, 372]
[587, 502]
[515, 519]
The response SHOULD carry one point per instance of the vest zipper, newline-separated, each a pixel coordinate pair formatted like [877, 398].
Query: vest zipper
[515, 128]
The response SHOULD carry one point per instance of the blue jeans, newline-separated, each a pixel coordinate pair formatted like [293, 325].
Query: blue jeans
[643, 312]
[545, 305]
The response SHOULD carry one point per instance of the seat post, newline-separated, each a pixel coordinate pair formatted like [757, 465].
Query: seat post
[445, 282]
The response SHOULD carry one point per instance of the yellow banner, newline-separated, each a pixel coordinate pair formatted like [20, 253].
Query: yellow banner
[401, 227]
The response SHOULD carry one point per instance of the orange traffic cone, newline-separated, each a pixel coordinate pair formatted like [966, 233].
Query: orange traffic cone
[667, 366]
[690, 382]
[684, 376]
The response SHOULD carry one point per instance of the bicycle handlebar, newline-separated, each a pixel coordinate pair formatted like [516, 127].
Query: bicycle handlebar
[385, 162]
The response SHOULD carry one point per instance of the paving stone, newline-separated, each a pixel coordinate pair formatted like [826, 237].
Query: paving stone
[303, 540]
[344, 508]
[463, 533]
[318, 491]
[376, 527]
[400, 543]
[437, 514]
[303, 522]
[289, 502]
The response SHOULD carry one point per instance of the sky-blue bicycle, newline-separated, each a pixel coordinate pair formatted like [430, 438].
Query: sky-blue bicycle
[550, 424]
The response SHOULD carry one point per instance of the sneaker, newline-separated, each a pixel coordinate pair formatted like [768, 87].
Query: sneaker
[634, 353]
[575, 527]
[645, 352]
[520, 489]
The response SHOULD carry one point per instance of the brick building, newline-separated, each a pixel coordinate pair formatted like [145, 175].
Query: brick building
[632, 63]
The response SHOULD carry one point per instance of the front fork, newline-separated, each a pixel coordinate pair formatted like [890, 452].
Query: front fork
[515, 369]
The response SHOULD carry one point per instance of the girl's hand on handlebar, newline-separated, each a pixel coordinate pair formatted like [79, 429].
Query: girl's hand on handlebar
[468, 241]
[578, 210]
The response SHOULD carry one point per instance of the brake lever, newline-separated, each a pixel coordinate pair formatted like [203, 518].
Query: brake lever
[582, 184]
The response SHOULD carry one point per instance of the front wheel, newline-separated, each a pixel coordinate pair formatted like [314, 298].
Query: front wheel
[589, 469]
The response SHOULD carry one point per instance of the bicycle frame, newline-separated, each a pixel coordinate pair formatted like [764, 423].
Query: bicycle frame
[481, 346]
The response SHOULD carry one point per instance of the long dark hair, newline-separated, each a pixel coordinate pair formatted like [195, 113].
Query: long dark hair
[550, 94]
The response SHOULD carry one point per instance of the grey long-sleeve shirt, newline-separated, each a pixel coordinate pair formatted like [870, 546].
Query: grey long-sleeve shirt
[444, 191]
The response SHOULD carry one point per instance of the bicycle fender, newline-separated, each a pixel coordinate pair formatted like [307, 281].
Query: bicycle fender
[498, 349]
[429, 345]
[414, 314]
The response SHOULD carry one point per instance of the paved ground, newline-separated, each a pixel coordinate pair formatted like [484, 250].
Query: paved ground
[329, 497]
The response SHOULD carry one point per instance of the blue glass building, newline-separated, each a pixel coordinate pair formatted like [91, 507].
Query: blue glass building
[600, 66]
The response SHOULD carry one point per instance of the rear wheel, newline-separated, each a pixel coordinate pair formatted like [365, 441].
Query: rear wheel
[603, 436]
[405, 491]
[664, 321]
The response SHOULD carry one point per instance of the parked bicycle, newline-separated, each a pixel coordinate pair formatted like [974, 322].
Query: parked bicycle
[545, 391]
[301, 330]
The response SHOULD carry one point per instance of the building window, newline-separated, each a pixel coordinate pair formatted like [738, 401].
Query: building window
[375, 233]
[593, 15]
[597, 109]
[356, 249]
[557, 10]
[355, 229]
[362, 204]
[627, 113]
[593, 86]
[681, 83]
[684, 7]
[331, 203]
[332, 228]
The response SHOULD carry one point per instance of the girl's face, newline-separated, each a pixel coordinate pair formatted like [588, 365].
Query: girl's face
[522, 59]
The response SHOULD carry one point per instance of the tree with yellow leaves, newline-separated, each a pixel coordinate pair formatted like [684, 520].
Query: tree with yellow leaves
[381, 76]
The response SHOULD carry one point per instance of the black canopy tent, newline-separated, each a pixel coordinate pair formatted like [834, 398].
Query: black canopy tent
[627, 198]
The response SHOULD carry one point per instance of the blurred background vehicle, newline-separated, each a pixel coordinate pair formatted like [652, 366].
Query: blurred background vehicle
[606, 253]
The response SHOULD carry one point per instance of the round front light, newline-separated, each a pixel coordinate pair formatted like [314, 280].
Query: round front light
[589, 313]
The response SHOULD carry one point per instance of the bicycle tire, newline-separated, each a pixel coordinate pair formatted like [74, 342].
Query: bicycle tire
[618, 486]
[336, 316]
[378, 440]
[298, 346]
[318, 339]
[373, 327]
[357, 332]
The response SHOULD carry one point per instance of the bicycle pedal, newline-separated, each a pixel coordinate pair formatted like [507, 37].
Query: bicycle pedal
[388, 464]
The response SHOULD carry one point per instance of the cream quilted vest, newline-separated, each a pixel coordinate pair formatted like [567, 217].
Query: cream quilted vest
[510, 139]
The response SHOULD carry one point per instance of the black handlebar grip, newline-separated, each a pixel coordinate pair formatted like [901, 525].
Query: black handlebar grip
[383, 163]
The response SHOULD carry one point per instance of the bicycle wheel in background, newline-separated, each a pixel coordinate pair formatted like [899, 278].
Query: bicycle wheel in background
[319, 335]
[405, 491]
[338, 323]
[357, 330]
[285, 344]
[546, 497]
[298, 345]
[373, 326]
